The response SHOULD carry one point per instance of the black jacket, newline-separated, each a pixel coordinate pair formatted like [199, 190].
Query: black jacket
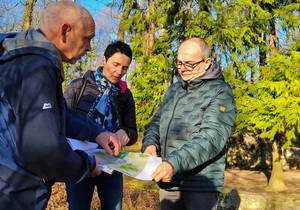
[125, 103]
[34, 122]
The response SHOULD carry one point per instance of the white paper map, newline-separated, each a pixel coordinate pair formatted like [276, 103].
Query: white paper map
[134, 164]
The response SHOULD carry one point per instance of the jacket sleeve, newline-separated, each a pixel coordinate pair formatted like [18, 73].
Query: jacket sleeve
[208, 141]
[129, 119]
[42, 146]
[151, 135]
[80, 128]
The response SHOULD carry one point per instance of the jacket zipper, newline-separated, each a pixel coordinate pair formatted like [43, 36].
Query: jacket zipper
[165, 147]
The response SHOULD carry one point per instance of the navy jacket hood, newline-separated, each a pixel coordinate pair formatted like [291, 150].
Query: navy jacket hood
[29, 42]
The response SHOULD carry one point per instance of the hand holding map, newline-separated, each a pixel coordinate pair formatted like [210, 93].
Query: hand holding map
[134, 164]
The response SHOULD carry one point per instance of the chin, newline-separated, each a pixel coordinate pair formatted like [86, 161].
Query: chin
[73, 61]
[185, 78]
[115, 80]
[70, 60]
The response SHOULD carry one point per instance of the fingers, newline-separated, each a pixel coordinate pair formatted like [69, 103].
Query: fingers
[151, 150]
[158, 174]
[103, 139]
[108, 149]
[164, 173]
[115, 144]
[152, 153]
[166, 180]
[109, 142]
[122, 136]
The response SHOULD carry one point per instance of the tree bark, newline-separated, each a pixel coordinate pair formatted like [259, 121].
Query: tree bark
[262, 52]
[28, 14]
[149, 34]
[121, 31]
[273, 41]
[276, 183]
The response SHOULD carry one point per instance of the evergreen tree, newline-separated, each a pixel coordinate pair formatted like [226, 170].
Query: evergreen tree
[243, 36]
[150, 35]
[270, 107]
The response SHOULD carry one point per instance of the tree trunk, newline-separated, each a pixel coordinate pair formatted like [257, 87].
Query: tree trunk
[276, 183]
[273, 41]
[27, 15]
[149, 34]
[262, 51]
[127, 8]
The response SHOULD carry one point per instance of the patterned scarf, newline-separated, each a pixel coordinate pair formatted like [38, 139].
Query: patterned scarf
[103, 110]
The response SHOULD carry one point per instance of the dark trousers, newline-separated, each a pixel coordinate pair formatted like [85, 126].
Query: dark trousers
[109, 187]
[179, 200]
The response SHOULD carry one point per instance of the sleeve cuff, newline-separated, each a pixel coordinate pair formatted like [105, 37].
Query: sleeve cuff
[145, 145]
[89, 164]
[173, 162]
[95, 129]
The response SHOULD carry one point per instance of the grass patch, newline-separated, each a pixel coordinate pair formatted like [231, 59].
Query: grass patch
[131, 183]
[134, 148]
[135, 184]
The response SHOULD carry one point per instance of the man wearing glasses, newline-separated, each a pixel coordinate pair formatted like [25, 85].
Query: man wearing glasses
[190, 130]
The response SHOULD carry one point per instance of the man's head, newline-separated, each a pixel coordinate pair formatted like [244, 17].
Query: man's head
[70, 28]
[193, 58]
[116, 60]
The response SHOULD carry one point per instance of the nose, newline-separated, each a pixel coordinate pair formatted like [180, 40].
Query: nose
[119, 70]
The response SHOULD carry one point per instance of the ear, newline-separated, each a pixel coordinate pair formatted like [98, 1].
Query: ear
[65, 29]
[103, 60]
[207, 63]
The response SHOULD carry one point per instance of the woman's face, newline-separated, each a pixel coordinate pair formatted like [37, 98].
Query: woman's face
[115, 67]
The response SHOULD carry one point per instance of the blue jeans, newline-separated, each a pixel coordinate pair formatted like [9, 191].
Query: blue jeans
[109, 187]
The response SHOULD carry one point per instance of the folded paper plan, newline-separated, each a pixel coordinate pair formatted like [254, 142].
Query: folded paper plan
[134, 164]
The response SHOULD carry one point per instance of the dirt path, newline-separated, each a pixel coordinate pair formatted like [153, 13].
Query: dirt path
[254, 181]
[250, 185]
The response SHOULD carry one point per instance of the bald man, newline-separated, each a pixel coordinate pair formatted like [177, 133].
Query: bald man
[34, 120]
[190, 131]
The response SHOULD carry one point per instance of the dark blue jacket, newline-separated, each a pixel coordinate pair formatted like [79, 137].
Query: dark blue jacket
[34, 123]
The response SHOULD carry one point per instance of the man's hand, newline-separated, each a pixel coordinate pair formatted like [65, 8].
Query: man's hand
[122, 136]
[151, 150]
[96, 171]
[110, 143]
[164, 172]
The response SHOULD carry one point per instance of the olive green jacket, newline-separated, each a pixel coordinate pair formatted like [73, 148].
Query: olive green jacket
[190, 131]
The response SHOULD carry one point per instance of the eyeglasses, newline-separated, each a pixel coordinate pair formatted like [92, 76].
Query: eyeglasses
[188, 66]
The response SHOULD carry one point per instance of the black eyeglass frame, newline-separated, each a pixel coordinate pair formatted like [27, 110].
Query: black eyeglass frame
[188, 66]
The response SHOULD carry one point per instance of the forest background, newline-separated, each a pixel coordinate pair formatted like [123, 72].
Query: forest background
[257, 43]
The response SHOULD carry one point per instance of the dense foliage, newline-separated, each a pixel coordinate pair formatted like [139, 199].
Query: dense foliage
[243, 35]
[255, 41]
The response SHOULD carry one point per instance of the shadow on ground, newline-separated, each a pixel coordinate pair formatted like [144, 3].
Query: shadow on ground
[244, 190]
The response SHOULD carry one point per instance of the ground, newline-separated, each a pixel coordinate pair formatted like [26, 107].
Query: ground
[254, 181]
[143, 195]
